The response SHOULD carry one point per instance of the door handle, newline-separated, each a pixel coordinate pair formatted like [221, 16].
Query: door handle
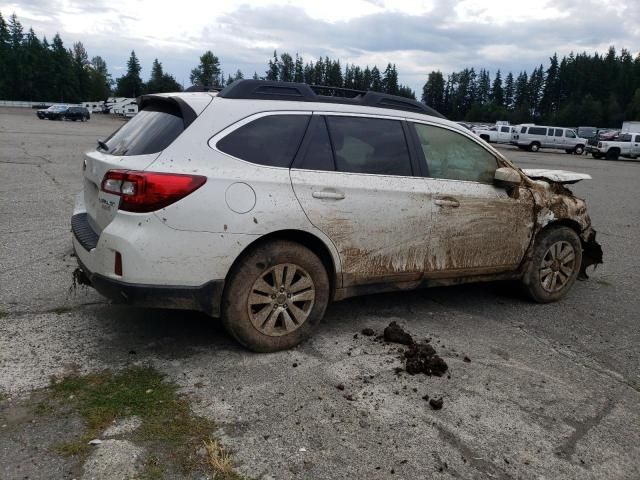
[328, 195]
[447, 202]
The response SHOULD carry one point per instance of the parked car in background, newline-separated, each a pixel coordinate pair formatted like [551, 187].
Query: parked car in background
[77, 113]
[603, 134]
[268, 220]
[54, 112]
[626, 145]
[495, 134]
[587, 132]
[535, 137]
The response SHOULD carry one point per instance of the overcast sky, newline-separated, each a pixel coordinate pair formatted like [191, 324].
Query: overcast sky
[417, 35]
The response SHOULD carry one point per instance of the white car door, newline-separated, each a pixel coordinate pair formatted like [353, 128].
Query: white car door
[477, 227]
[356, 181]
[635, 145]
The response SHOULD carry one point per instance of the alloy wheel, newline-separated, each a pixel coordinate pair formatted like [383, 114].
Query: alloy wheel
[558, 266]
[281, 299]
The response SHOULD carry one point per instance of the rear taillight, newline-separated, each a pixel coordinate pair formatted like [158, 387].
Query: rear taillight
[599, 144]
[149, 191]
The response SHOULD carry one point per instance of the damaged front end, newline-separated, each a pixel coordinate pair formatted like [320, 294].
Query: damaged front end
[556, 204]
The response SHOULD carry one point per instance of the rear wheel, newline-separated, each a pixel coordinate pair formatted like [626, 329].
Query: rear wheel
[554, 265]
[275, 297]
[613, 154]
[579, 150]
[534, 147]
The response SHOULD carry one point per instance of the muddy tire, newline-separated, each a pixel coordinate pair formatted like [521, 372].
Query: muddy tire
[579, 150]
[554, 265]
[275, 297]
[534, 147]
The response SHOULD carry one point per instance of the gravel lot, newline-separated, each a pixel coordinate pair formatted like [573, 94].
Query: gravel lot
[551, 391]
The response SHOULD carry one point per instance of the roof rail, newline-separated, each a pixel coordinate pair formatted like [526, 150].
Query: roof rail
[336, 91]
[200, 88]
[269, 90]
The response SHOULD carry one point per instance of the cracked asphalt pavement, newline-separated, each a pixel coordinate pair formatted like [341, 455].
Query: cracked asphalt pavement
[551, 391]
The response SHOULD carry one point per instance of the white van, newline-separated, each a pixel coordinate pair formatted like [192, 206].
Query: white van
[535, 137]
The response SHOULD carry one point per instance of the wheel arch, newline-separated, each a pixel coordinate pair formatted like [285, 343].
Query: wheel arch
[329, 259]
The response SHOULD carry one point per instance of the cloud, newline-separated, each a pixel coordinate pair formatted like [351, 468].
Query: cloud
[417, 36]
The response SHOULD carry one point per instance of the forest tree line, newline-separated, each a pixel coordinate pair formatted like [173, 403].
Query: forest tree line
[582, 89]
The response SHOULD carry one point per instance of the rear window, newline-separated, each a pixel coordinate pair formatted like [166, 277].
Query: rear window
[272, 140]
[537, 131]
[152, 130]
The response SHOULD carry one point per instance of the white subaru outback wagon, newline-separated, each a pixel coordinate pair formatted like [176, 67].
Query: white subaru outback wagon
[265, 201]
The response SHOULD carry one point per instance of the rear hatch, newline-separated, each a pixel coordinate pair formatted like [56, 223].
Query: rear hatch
[133, 147]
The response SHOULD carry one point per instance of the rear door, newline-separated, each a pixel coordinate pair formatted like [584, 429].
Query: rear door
[357, 182]
[477, 227]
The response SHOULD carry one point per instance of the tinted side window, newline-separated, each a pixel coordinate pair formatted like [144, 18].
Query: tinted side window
[537, 131]
[558, 132]
[369, 145]
[569, 134]
[523, 130]
[637, 138]
[152, 130]
[505, 129]
[316, 154]
[272, 140]
[453, 156]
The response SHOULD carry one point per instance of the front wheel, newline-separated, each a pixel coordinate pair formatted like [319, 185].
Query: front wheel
[275, 297]
[554, 265]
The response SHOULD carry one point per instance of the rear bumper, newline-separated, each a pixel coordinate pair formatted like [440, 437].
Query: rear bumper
[92, 259]
[205, 298]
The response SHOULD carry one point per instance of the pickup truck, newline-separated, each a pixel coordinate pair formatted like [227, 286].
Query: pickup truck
[497, 134]
[626, 145]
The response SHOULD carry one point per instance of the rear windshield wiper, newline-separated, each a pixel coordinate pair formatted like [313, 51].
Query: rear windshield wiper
[102, 145]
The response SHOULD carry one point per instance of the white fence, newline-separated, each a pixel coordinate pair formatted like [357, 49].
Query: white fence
[18, 104]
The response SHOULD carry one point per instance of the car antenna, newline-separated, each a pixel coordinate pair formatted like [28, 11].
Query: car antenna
[102, 145]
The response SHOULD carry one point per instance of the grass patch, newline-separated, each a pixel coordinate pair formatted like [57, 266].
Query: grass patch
[170, 432]
[3, 314]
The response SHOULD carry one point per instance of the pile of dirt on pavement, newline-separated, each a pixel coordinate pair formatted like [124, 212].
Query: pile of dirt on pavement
[420, 357]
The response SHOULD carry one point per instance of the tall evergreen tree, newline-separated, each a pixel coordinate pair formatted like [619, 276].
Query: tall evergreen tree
[274, 68]
[207, 73]
[509, 91]
[497, 92]
[390, 80]
[376, 79]
[286, 68]
[130, 85]
[551, 90]
[433, 91]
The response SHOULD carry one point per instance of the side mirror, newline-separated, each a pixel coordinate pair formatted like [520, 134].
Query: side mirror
[507, 176]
